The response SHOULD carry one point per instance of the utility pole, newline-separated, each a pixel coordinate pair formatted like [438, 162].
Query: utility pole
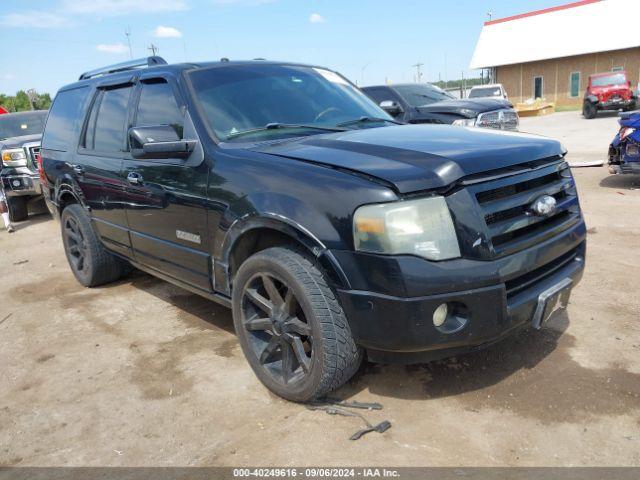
[127, 32]
[489, 15]
[364, 67]
[446, 77]
[418, 66]
[153, 49]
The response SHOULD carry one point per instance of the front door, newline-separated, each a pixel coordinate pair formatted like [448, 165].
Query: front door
[538, 87]
[166, 199]
[99, 167]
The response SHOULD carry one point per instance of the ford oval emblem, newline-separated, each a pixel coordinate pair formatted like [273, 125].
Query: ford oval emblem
[544, 206]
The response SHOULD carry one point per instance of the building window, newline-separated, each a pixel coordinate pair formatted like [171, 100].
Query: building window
[574, 84]
[538, 87]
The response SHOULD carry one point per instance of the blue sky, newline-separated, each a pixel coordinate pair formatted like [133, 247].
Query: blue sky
[47, 44]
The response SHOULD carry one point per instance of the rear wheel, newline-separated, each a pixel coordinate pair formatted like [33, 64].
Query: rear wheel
[91, 264]
[291, 327]
[589, 110]
[18, 210]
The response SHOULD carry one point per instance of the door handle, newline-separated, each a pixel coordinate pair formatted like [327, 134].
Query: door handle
[78, 170]
[134, 178]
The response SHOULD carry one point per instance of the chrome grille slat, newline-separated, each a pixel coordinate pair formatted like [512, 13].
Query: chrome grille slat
[537, 237]
[526, 197]
[513, 224]
[502, 119]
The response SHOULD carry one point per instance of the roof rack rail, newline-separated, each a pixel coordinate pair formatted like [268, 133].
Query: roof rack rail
[124, 66]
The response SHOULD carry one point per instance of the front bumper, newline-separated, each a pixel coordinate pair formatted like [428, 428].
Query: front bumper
[499, 297]
[616, 104]
[21, 184]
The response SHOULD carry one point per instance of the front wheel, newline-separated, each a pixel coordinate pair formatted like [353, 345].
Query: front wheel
[291, 326]
[18, 209]
[589, 110]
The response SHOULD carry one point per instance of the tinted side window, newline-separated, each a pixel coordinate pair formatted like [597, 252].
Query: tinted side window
[110, 122]
[158, 106]
[65, 114]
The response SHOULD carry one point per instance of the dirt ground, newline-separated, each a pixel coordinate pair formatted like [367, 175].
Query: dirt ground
[144, 373]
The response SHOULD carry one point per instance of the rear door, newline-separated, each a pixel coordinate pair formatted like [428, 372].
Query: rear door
[166, 199]
[98, 169]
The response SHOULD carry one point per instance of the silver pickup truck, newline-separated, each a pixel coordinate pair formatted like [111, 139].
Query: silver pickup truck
[20, 135]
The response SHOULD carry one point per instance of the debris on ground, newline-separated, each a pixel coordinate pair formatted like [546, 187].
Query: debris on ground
[5, 318]
[337, 407]
[348, 404]
[20, 262]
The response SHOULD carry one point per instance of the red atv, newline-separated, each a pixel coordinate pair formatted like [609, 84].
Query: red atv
[608, 91]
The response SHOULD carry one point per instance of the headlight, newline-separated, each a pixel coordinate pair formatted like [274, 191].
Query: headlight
[14, 157]
[415, 227]
[464, 122]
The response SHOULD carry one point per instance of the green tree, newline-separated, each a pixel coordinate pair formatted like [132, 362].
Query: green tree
[21, 101]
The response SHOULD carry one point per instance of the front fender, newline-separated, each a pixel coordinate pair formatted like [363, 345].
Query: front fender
[591, 99]
[281, 212]
[288, 215]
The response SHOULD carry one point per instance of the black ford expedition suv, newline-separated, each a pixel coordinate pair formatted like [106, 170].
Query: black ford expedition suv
[283, 192]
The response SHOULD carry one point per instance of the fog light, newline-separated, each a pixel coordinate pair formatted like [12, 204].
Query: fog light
[440, 315]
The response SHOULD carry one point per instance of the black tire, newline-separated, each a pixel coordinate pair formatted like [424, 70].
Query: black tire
[18, 210]
[91, 264]
[304, 327]
[589, 110]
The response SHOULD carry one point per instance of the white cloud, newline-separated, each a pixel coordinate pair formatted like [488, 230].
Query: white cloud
[117, 48]
[166, 32]
[34, 19]
[8, 76]
[316, 18]
[122, 7]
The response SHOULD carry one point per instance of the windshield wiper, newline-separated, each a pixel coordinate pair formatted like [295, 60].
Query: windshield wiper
[276, 126]
[367, 120]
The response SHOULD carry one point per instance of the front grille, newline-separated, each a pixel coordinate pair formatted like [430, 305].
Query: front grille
[31, 149]
[506, 205]
[504, 119]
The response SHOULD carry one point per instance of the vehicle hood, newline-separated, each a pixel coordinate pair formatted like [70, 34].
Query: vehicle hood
[17, 142]
[469, 108]
[417, 157]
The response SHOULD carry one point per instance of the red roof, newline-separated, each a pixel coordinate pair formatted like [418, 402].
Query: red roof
[540, 12]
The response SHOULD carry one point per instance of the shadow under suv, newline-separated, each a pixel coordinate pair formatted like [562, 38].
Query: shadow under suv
[283, 192]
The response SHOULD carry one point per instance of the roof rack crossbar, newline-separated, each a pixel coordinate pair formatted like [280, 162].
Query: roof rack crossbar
[124, 66]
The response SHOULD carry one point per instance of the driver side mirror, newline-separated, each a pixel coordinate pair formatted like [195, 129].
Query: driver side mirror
[159, 141]
[391, 107]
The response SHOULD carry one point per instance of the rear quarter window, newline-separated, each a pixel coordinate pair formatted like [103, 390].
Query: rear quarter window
[65, 115]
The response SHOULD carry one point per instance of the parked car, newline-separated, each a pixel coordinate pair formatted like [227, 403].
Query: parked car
[425, 103]
[20, 135]
[283, 192]
[624, 151]
[494, 90]
[608, 91]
